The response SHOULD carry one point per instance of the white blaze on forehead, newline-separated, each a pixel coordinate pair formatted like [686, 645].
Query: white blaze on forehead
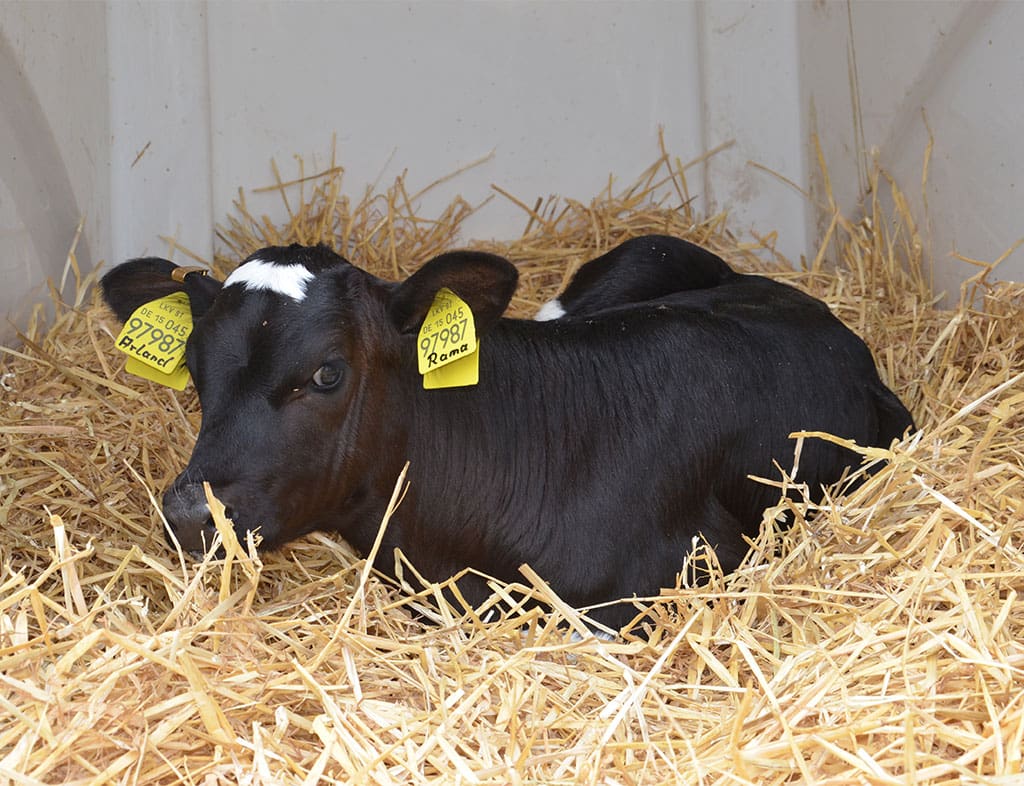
[287, 280]
[550, 310]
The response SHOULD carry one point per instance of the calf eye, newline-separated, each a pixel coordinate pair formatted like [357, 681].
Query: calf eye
[326, 377]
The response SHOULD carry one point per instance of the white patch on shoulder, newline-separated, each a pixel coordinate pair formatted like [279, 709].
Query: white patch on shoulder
[601, 635]
[550, 310]
[287, 280]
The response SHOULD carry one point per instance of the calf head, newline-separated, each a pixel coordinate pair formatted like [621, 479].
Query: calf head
[297, 358]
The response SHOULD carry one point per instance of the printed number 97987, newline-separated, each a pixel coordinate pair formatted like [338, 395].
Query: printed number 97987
[165, 342]
[453, 334]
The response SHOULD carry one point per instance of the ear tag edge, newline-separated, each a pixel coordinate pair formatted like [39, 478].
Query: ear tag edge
[447, 347]
[154, 338]
[464, 372]
[176, 379]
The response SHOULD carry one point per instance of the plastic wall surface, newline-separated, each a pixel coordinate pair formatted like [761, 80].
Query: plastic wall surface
[54, 140]
[955, 67]
[146, 117]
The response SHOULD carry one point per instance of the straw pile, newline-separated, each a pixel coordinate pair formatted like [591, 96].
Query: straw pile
[880, 640]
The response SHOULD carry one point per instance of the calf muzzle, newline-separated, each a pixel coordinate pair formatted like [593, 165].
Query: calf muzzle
[189, 519]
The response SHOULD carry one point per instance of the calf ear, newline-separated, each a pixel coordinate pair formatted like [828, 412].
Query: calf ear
[485, 281]
[139, 281]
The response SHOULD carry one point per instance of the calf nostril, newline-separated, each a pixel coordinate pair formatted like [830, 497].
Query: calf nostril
[188, 515]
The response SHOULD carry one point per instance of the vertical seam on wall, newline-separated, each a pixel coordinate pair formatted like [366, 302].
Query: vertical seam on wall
[208, 110]
[703, 98]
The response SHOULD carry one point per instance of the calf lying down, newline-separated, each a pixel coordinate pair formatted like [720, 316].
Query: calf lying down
[596, 446]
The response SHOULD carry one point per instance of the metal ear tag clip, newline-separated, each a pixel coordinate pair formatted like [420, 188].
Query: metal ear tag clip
[179, 273]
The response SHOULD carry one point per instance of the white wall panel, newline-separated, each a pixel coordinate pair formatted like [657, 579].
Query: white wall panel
[563, 93]
[161, 173]
[146, 116]
[958, 65]
[751, 95]
[54, 147]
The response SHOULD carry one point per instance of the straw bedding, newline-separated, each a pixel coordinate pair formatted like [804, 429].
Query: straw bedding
[879, 640]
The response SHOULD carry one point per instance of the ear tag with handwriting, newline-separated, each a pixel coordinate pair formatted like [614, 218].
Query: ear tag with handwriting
[154, 340]
[448, 354]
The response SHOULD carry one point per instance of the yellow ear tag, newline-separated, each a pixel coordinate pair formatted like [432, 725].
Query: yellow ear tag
[177, 379]
[448, 353]
[154, 340]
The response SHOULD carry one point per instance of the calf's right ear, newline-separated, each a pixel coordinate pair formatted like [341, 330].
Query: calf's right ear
[138, 281]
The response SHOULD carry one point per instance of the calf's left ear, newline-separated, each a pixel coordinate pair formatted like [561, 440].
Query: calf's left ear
[485, 281]
[138, 281]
